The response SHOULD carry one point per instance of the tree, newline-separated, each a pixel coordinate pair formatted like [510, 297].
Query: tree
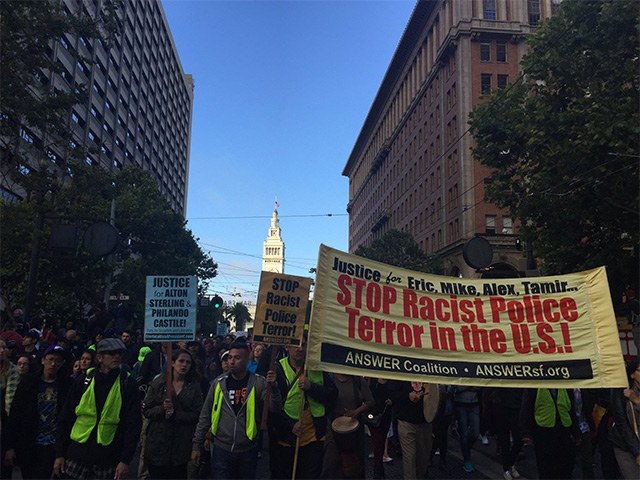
[238, 314]
[400, 249]
[564, 142]
[154, 241]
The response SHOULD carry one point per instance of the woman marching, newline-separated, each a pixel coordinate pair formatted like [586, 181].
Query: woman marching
[172, 421]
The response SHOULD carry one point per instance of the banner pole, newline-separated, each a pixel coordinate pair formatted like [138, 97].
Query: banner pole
[267, 395]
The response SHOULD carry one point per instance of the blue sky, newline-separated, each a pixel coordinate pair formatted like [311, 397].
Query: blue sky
[282, 89]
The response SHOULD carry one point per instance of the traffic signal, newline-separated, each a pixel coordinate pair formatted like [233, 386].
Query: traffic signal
[216, 302]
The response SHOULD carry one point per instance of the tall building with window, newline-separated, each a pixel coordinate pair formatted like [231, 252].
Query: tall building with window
[411, 167]
[140, 100]
[273, 247]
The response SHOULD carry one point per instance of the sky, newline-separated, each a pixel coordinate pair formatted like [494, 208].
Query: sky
[282, 89]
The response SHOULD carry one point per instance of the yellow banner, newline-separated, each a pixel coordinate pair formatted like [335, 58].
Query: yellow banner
[282, 305]
[377, 320]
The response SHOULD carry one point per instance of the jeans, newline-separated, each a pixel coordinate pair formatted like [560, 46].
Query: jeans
[227, 465]
[468, 418]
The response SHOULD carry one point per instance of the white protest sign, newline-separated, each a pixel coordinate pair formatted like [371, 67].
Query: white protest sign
[170, 308]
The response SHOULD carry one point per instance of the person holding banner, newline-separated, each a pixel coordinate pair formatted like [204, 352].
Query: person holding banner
[415, 405]
[232, 412]
[548, 417]
[302, 419]
[172, 414]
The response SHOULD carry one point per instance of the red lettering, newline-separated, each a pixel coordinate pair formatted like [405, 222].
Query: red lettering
[359, 283]
[498, 340]
[569, 309]
[373, 299]
[389, 297]
[351, 323]
[441, 304]
[497, 305]
[344, 296]
[548, 344]
[409, 300]
[547, 305]
[365, 326]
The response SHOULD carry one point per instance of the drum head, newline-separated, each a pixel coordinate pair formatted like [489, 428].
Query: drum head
[345, 425]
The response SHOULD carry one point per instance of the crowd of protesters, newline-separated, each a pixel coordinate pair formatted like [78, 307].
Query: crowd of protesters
[80, 404]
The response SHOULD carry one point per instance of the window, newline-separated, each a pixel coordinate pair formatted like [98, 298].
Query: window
[489, 9]
[64, 43]
[53, 156]
[485, 52]
[25, 135]
[501, 52]
[485, 83]
[507, 225]
[490, 224]
[503, 80]
[533, 8]
[97, 89]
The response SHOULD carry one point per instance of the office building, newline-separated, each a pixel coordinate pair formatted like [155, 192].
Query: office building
[140, 101]
[411, 167]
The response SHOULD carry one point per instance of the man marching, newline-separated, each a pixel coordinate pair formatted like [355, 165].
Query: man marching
[232, 412]
[99, 425]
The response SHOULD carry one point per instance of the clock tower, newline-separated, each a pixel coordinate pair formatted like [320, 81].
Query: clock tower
[273, 249]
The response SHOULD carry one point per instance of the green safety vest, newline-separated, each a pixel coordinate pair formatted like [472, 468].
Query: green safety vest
[292, 404]
[251, 426]
[545, 408]
[86, 414]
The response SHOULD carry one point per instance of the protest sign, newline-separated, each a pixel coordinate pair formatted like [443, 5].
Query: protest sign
[282, 305]
[377, 320]
[170, 308]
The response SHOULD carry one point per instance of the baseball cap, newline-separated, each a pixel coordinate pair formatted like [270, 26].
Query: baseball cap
[55, 349]
[225, 354]
[143, 353]
[110, 345]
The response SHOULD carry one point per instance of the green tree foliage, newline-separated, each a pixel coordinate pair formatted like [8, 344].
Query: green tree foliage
[564, 142]
[154, 241]
[400, 249]
[237, 313]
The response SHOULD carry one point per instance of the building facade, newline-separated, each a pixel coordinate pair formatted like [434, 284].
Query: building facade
[140, 101]
[273, 247]
[411, 167]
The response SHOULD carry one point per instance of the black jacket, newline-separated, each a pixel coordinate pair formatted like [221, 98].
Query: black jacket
[23, 419]
[622, 434]
[169, 439]
[123, 446]
[403, 408]
[281, 424]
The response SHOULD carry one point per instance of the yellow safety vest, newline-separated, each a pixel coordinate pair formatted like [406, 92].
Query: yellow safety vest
[86, 414]
[292, 403]
[251, 426]
[545, 408]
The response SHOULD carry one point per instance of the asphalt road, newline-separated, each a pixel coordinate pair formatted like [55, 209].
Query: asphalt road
[486, 460]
